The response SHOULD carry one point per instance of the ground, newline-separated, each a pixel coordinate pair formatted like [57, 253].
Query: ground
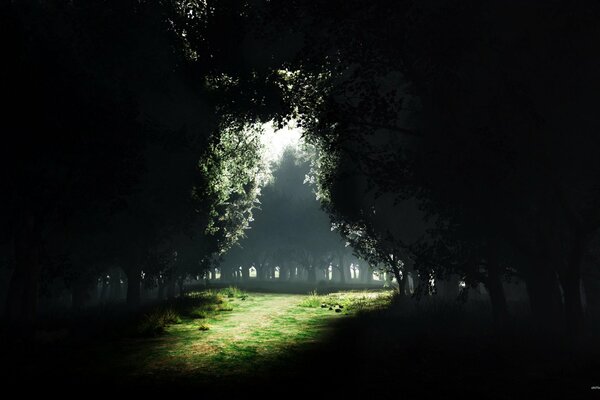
[229, 341]
[258, 331]
[212, 339]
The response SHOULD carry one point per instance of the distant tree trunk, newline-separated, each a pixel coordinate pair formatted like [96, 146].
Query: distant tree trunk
[115, 285]
[283, 272]
[365, 273]
[410, 283]
[104, 290]
[417, 288]
[346, 273]
[259, 271]
[342, 274]
[400, 278]
[312, 274]
[544, 296]
[80, 294]
[245, 273]
[161, 289]
[133, 287]
[118, 287]
[387, 278]
[226, 272]
[180, 283]
[495, 289]
[341, 268]
[24, 285]
[171, 287]
[570, 279]
[591, 284]
[448, 288]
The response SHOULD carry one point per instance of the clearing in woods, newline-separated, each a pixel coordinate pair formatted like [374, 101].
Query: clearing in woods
[246, 335]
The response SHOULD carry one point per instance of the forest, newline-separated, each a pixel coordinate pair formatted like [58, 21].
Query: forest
[331, 197]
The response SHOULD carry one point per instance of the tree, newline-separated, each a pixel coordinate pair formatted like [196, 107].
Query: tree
[437, 102]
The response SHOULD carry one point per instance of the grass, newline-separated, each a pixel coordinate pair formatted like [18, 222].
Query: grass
[233, 292]
[229, 333]
[157, 321]
[312, 300]
[348, 302]
[209, 336]
[267, 340]
[203, 305]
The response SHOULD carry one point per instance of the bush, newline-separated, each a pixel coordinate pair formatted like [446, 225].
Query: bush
[232, 292]
[313, 300]
[199, 314]
[156, 321]
[225, 306]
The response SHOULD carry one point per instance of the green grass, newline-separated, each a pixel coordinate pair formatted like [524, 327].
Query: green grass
[233, 292]
[313, 300]
[348, 302]
[220, 335]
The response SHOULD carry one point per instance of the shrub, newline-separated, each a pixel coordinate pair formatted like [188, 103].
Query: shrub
[199, 314]
[157, 320]
[232, 292]
[225, 306]
[313, 300]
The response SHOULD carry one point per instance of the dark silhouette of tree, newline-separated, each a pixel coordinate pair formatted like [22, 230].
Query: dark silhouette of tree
[441, 102]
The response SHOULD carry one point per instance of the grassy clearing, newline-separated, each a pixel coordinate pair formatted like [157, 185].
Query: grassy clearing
[204, 338]
[232, 333]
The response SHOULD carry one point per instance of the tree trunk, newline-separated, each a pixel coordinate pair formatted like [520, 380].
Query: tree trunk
[387, 279]
[180, 282]
[591, 286]
[80, 293]
[161, 290]
[495, 289]
[104, 290]
[341, 267]
[115, 285]
[365, 273]
[24, 285]
[283, 271]
[544, 297]
[171, 288]
[133, 287]
[346, 273]
[570, 279]
[312, 274]
[448, 289]
[259, 271]
[400, 278]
